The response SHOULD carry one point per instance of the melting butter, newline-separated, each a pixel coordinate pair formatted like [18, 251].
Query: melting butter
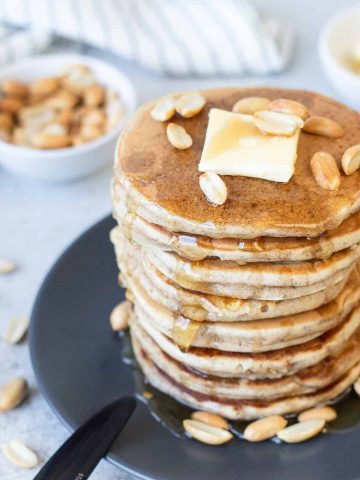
[184, 331]
[235, 146]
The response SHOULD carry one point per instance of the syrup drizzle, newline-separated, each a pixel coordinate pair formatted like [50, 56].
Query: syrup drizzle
[171, 413]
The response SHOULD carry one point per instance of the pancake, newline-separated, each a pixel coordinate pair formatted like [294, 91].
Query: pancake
[162, 182]
[198, 306]
[125, 250]
[306, 381]
[250, 308]
[241, 409]
[262, 249]
[268, 365]
[253, 336]
[292, 274]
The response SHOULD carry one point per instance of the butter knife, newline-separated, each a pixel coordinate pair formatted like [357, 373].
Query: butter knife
[79, 455]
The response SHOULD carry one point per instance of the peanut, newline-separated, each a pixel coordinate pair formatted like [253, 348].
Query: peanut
[94, 95]
[49, 141]
[323, 126]
[206, 433]
[119, 318]
[251, 105]
[62, 100]
[283, 105]
[19, 454]
[350, 161]
[164, 109]
[178, 136]
[213, 188]
[44, 86]
[264, 428]
[13, 393]
[299, 432]
[190, 104]
[11, 104]
[210, 419]
[90, 132]
[14, 89]
[325, 171]
[322, 413]
[275, 123]
[93, 117]
[6, 121]
[6, 266]
[16, 329]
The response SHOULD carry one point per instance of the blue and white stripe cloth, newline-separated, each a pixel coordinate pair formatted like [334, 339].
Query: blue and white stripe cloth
[173, 37]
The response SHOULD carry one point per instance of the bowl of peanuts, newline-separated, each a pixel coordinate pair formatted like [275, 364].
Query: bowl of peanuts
[61, 115]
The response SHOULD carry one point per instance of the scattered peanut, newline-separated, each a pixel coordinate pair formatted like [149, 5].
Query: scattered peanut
[275, 123]
[19, 454]
[325, 171]
[6, 266]
[299, 432]
[178, 136]
[58, 112]
[129, 295]
[190, 104]
[322, 413]
[147, 395]
[323, 126]
[16, 329]
[210, 419]
[350, 161]
[119, 318]
[164, 109]
[213, 187]
[206, 433]
[13, 393]
[251, 105]
[284, 105]
[264, 428]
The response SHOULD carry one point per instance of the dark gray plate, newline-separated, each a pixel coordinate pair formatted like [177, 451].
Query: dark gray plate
[77, 361]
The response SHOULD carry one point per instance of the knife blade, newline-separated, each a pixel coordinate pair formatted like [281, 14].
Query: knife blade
[79, 455]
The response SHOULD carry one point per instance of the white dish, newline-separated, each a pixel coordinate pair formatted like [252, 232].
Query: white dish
[336, 42]
[72, 162]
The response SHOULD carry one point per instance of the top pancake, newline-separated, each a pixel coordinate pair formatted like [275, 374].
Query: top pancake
[162, 181]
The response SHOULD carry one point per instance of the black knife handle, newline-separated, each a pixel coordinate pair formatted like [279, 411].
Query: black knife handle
[79, 455]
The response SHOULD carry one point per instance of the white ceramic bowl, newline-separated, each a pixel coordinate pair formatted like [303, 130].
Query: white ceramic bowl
[72, 162]
[336, 42]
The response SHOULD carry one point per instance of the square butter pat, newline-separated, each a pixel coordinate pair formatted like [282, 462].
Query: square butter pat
[235, 146]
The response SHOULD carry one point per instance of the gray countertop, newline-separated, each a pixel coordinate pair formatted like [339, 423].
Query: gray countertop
[38, 221]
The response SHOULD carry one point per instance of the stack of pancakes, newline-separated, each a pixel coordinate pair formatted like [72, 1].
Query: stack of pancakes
[249, 308]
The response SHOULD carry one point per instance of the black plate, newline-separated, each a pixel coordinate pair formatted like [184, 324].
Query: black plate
[78, 364]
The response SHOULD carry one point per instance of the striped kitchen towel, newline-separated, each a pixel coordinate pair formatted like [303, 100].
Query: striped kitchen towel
[173, 37]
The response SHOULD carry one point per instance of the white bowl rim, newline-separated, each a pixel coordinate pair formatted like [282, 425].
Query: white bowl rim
[323, 43]
[93, 144]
